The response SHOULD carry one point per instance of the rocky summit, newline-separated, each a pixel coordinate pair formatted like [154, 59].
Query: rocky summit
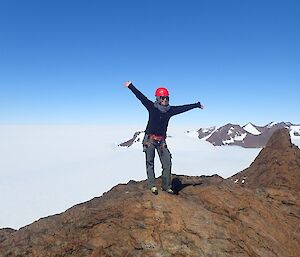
[255, 213]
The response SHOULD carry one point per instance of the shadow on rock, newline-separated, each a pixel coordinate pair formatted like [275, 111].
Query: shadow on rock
[177, 185]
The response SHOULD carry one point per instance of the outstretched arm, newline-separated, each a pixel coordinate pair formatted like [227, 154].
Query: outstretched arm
[184, 108]
[145, 101]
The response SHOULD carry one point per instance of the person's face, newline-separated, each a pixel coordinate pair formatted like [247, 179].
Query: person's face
[164, 100]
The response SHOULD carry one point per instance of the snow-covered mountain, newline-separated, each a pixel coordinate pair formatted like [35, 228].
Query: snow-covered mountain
[248, 136]
[137, 137]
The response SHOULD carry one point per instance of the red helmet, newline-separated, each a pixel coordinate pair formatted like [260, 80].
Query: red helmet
[161, 91]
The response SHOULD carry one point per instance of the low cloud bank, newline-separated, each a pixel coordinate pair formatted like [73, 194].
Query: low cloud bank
[46, 169]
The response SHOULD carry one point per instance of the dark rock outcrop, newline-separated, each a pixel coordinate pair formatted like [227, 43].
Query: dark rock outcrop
[134, 139]
[209, 217]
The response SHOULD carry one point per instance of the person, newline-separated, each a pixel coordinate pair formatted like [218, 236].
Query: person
[160, 113]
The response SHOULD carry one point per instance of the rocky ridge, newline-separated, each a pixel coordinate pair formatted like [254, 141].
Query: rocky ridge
[247, 136]
[209, 216]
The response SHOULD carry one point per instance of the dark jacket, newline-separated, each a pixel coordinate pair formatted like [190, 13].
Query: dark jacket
[158, 121]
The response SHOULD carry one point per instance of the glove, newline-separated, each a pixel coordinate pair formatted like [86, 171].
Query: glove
[199, 105]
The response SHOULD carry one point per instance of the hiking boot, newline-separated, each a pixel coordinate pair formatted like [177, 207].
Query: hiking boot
[154, 190]
[170, 191]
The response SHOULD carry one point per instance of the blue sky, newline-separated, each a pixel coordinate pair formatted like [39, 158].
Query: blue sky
[65, 62]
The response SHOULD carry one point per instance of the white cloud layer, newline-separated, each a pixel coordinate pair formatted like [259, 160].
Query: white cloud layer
[46, 169]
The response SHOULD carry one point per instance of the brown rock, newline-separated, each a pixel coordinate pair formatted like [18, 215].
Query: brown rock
[5, 232]
[277, 165]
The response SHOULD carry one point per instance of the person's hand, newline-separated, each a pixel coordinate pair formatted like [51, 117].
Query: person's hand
[127, 83]
[201, 106]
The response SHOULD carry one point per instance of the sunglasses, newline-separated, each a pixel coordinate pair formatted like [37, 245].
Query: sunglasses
[164, 98]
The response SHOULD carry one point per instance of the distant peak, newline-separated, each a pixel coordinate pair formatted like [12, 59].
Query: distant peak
[271, 124]
[249, 127]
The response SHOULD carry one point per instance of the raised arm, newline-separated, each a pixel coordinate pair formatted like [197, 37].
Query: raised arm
[144, 100]
[184, 108]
